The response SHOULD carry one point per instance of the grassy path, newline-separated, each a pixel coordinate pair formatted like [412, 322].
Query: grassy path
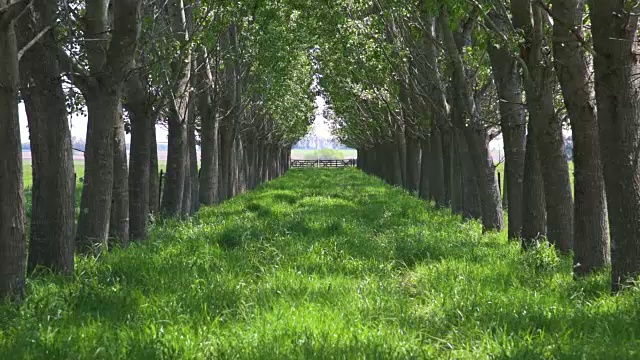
[322, 264]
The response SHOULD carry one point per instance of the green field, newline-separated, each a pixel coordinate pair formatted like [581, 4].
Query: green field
[27, 172]
[322, 264]
[302, 154]
[79, 167]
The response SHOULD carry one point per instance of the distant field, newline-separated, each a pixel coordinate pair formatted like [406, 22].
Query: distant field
[28, 173]
[299, 154]
[78, 164]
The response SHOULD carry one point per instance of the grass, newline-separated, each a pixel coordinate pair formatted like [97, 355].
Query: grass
[310, 153]
[78, 165]
[27, 172]
[322, 264]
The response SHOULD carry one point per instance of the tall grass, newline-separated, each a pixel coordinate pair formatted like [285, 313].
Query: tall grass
[322, 264]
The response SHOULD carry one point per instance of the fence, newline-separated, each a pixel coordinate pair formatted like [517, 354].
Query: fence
[323, 163]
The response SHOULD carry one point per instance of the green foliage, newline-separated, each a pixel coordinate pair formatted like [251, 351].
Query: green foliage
[322, 264]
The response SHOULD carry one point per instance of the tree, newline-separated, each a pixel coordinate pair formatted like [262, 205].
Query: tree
[13, 240]
[614, 30]
[109, 57]
[51, 242]
[546, 126]
[591, 235]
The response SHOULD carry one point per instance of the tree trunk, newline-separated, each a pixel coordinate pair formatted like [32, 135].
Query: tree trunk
[142, 193]
[109, 62]
[226, 161]
[534, 213]
[401, 143]
[13, 237]
[187, 196]
[97, 190]
[195, 173]
[616, 67]
[176, 166]
[396, 163]
[472, 205]
[591, 232]
[492, 215]
[466, 120]
[209, 155]
[506, 74]
[240, 165]
[177, 157]
[264, 154]
[51, 243]
[437, 172]
[456, 185]
[448, 162]
[154, 176]
[413, 152]
[546, 126]
[119, 220]
[425, 167]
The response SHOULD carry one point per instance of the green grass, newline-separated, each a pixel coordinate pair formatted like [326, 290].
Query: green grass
[324, 264]
[310, 153]
[27, 172]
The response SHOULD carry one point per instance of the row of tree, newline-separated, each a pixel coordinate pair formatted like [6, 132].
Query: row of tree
[420, 88]
[230, 77]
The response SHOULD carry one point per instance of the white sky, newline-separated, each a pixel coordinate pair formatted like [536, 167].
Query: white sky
[320, 127]
[79, 125]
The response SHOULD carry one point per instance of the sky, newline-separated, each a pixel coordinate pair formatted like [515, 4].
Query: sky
[78, 124]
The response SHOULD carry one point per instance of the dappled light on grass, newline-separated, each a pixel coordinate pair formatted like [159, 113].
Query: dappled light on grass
[322, 264]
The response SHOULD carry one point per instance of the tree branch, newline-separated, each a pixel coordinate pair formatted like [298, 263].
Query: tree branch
[33, 42]
[13, 11]
[78, 75]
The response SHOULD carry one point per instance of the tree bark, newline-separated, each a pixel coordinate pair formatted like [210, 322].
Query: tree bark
[414, 166]
[437, 179]
[51, 242]
[401, 146]
[176, 166]
[466, 120]
[226, 162]
[534, 214]
[506, 74]
[119, 219]
[472, 203]
[591, 232]
[154, 176]
[97, 190]
[109, 62]
[426, 165]
[195, 173]
[616, 66]
[209, 145]
[546, 125]
[177, 157]
[456, 184]
[142, 193]
[13, 237]
[187, 196]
